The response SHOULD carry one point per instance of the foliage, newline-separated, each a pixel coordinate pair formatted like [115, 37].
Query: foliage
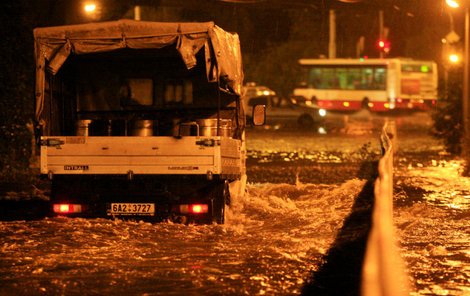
[448, 114]
[277, 65]
[16, 105]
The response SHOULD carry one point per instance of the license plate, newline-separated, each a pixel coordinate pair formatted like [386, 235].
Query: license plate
[141, 209]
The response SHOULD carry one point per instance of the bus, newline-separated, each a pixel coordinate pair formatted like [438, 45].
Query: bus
[375, 84]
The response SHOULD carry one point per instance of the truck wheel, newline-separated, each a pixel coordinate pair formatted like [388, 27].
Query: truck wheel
[218, 203]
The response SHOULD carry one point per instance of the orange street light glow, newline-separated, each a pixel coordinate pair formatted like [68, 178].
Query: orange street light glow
[90, 7]
[453, 3]
[453, 58]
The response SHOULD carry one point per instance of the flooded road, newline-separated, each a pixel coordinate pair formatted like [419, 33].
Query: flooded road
[432, 214]
[305, 198]
[271, 242]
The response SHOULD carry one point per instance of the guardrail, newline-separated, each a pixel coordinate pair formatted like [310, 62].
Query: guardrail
[383, 272]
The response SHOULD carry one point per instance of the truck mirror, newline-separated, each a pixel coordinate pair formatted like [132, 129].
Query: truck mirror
[259, 115]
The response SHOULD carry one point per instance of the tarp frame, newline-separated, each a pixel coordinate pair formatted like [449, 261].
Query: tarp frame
[53, 45]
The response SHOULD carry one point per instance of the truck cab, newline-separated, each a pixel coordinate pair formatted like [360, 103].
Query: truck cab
[140, 119]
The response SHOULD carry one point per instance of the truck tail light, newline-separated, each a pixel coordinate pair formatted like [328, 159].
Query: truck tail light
[67, 208]
[194, 209]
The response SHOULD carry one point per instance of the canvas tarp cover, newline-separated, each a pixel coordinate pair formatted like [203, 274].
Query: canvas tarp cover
[53, 45]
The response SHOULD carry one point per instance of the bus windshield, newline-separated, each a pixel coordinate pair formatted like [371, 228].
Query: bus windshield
[343, 77]
[416, 68]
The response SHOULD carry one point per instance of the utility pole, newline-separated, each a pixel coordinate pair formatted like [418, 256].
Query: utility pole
[332, 39]
[137, 13]
[381, 29]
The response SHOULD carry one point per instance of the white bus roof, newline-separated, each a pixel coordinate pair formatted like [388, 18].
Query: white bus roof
[358, 61]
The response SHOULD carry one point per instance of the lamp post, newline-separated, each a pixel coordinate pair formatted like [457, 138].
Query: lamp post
[91, 10]
[466, 58]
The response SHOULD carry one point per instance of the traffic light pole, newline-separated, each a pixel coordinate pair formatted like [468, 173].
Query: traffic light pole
[332, 41]
[381, 30]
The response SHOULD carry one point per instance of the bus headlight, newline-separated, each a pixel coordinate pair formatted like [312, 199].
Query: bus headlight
[322, 112]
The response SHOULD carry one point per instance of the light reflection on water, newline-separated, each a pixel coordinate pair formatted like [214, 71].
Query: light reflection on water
[432, 216]
[271, 242]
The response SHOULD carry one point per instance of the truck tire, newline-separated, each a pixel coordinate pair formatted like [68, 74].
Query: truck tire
[220, 199]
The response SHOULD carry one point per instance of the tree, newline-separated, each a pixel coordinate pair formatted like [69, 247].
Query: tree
[16, 82]
[448, 114]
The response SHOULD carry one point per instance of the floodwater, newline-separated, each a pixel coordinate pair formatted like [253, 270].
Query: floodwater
[270, 243]
[432, 214]
[307, 196]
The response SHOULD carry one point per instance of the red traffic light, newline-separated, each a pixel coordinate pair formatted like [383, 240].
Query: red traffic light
[384, 45]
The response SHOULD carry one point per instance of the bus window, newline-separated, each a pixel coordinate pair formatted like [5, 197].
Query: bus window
[315, 78]
[354, 78]
[416, 68]
[367, 78]
[304, 78]
[380, 78]
[322, 78]
[342, 78]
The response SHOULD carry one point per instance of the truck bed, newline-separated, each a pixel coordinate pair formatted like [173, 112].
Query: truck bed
[189, 155]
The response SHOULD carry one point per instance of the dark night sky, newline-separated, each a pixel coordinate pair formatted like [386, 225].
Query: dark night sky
[276, 32]
[415, 26]
[273, 33]
[266, 27]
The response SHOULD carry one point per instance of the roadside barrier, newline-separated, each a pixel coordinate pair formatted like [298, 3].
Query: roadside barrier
[383, 271]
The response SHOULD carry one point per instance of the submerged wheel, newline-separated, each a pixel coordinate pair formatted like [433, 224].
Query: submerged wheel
[365, 104]
[219, 200]
[305, 121]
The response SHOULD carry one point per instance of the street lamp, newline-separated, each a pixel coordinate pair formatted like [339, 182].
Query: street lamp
[466, 58]
[91, 9]
[454, 58]
[453, 3]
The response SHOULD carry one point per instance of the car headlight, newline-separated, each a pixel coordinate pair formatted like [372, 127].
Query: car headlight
[322, 112]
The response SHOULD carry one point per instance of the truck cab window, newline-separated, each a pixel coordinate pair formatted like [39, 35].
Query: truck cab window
[137, 91]
[179, 92]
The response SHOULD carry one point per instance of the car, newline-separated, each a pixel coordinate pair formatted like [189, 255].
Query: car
[285, 111]
[253, 90]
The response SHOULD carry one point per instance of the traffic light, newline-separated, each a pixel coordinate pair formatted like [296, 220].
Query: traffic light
[384, 45]
[451, 53]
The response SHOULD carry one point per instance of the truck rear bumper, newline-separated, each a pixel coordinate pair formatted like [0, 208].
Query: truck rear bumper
[146, 197]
